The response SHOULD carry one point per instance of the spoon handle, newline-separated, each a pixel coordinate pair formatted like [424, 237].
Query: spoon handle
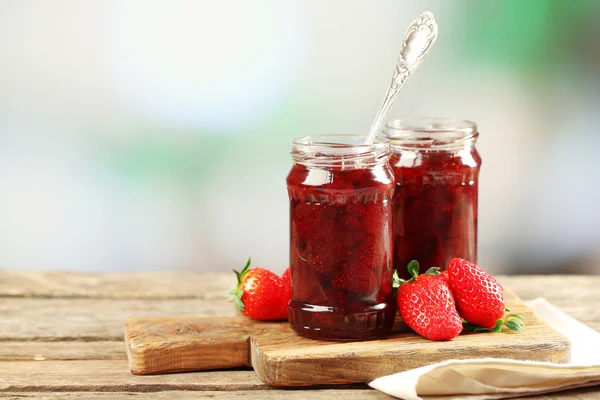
[420, 36]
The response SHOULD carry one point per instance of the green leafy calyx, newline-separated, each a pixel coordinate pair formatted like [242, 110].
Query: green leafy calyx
[236, 291]
[514, 322]
[413, 270]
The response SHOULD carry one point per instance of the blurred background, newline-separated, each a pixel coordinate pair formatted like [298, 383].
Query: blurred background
[154, 135]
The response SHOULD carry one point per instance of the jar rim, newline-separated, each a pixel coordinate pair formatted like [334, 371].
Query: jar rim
[340, 144]
[430, 132]
[326, 150]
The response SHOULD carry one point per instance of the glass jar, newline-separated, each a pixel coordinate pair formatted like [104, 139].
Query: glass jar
[436, 166]
[340, 193]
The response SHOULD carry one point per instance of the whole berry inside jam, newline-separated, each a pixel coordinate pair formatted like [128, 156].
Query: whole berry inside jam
[340, 251]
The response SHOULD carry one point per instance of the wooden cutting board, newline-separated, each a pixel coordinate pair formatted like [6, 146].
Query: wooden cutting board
[282, 358]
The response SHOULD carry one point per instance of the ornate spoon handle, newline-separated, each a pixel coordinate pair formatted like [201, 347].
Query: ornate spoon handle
[420, 36]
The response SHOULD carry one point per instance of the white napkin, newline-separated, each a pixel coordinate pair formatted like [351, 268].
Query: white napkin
[491, 378]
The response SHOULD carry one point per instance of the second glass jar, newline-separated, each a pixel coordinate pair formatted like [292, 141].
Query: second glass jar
[436, 168]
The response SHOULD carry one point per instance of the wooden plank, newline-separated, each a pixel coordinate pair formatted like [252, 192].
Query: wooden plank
[590, 393]
[130, 285]
[79, 350]
[37, 319]
[69, 350]
[586, 312]
[321, 394]
[113, 376]
[282, 358]
[180, 285]
[575, 295]
[554, 287]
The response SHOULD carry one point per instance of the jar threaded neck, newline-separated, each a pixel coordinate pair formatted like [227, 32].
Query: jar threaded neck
[345, 151]
[431, 133]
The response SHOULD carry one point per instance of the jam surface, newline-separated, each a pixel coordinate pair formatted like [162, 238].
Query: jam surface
[340, 252]
[435, 207]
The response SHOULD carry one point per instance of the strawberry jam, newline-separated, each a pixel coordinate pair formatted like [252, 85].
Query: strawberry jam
[436, 167]
[340, 194]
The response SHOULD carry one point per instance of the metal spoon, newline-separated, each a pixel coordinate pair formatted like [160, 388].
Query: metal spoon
[420, 36]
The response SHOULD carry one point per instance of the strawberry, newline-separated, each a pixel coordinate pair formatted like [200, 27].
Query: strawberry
[426, 304]
[261, 294]
[480, 298]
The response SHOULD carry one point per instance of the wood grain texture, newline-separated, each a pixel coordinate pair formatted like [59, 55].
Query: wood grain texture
[187, 285]
[113, 376]
[582, 288]
[93, 319]
[130, 285]
[35, 319]
[579, 310]
[327, 394]
[282, 358]
[576, 295]
[320, 394]
[102, 320]
[80, 350]
[67, 350]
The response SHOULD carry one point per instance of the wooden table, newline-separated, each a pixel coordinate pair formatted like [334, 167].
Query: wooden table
[61, 334]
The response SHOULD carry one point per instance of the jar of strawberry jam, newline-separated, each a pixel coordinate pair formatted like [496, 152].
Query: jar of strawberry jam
[436, 166]
[340, 192]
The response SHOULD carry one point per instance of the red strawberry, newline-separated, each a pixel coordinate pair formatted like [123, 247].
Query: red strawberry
[261, 294]
[479, 297]
[426, 304]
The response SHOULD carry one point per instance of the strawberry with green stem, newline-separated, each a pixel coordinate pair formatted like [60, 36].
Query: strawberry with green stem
[480, 298]
[426, 304]
[260, 294]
